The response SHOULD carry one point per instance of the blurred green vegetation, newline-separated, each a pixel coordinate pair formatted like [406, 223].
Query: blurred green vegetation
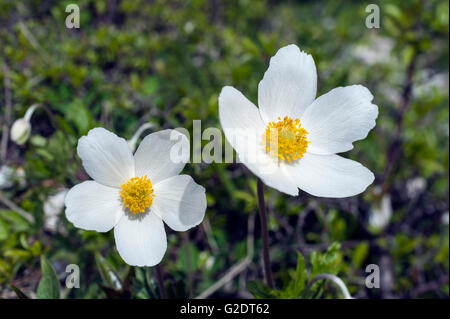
[165, 62]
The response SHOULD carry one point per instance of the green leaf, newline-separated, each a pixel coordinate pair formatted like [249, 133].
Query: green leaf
[17, 222]
[16, 253]
[77, 113]
[38, 141]
[150, 85]
[49, 285]
[300, 275]
[108, 274]
[36, 248]
[297, 282]
[359, 254]
[327, 262]
[259, 290]
[4, 229]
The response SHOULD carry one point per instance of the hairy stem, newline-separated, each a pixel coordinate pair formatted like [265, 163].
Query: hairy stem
[188, 262]
[159, 278]
[264, 234]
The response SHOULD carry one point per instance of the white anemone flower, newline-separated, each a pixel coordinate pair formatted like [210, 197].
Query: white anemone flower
[135, 194]
[291, 140]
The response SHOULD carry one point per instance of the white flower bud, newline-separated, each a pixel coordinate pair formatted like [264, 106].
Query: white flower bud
[20, 131]
[21, 128]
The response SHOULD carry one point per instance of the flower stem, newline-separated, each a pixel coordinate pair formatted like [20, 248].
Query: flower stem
[30, 111]
[132, 142]
[188, 262]
[159, 278]
[338, 281]
[264, 234]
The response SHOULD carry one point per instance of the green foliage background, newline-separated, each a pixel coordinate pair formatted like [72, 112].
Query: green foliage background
[165, 62]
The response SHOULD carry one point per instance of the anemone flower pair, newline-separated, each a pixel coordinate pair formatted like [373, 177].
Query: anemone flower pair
[291, 140]
[135, 194]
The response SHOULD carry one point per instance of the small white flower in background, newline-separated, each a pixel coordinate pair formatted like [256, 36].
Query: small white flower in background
[428, 81]
[6, 176]
[379, 50]
[380, 215]
[9, 175]
[293, 135]
[21, 128]
[445, 218]
[206, 260]
[189, 27]
[132, 142]
[134, 194]
[415, 186]
[52, 209]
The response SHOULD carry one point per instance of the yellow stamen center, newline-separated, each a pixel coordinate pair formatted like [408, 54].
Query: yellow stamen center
[285, 139]
[137, 194]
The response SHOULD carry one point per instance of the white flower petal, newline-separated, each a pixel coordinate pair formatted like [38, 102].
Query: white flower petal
[272, 172]
[141, 239]
[338, 118]
[20, 131]
[289, 84]
[240, 119]
[106, 157]
[153, 156]
[180, 202]
[244, 129]
[330, 176]
[278, 178]
[93, 206]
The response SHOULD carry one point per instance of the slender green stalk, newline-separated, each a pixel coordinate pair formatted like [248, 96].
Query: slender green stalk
[159, 278]
[188, 262]
[264, 234]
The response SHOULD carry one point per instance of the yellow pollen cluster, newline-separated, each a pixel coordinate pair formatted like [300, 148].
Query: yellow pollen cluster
[285, 139]
[137, 194]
